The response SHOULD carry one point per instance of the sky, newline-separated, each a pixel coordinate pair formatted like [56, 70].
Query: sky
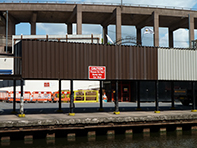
[180, 36]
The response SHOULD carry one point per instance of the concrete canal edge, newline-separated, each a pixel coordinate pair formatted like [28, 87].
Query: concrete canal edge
[84, 124]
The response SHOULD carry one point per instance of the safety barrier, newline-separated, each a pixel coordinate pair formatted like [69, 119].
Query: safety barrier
[65, 96]
[85, 96]
[26, 96]
[3, 95]
[41, 96]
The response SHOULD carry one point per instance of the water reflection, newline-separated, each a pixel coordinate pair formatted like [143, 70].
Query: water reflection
[180, 139]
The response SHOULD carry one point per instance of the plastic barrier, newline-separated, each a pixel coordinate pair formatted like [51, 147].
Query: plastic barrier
[41, 96]
[65, 96]
[3, 95]
[86, 96]
[26, 96]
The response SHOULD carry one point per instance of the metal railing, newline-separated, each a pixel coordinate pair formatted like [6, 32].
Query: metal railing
[96, 3]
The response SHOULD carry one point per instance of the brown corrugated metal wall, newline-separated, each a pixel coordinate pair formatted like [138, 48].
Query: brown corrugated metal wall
[60, 60]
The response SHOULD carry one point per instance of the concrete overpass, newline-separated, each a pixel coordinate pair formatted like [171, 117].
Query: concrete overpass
[99, 14]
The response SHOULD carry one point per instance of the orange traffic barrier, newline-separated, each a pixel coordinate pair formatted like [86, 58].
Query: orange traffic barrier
[65, 96]
[41, 96]
[3, 95]
[26, 96]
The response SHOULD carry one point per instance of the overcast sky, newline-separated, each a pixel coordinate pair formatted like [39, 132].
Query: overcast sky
[180, 35]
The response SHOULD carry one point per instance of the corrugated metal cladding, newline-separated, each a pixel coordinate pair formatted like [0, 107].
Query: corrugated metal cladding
[177, 64]
[60, 60]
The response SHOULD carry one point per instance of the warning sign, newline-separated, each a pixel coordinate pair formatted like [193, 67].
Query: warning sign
[97, 72]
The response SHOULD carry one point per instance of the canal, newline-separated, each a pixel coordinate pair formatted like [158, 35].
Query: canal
[175, 139]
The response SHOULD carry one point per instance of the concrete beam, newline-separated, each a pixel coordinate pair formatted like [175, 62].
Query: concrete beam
[109, 20]
[176, 25]
[72, 16]
[34, 17]
[156, 29]
[145, 21]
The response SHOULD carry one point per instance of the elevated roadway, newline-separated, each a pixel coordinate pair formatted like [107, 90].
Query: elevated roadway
[99, 14]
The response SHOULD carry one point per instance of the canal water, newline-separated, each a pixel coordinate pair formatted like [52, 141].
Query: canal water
[177, 139]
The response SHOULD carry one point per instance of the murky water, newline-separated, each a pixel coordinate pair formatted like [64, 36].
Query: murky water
[186, 139]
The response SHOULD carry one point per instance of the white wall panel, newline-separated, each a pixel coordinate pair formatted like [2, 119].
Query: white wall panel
[177, 64]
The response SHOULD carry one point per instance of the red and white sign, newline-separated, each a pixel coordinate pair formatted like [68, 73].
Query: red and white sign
[97, 72]
[46, 84]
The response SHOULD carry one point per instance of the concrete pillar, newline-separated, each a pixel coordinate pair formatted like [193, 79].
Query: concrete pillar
[33, 28]
[191, 29]
[156, 29]
[118, 24]
[79, 19]
[171, 42]
[69, 28]
[139, 38]
[104, 34]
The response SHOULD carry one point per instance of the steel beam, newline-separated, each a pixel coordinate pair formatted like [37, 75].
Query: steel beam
[116, 100]
[193, 97]
[60, 96]
[71, 113]
[101, 96]
[157, 96]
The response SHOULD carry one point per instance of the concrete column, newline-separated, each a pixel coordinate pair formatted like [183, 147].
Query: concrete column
[79, 19]
[171, 42]
[191, 29]
[33, 28]
[104, 34]
[156, 29]
[118, 24]
[69, 28]
[139, 38]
